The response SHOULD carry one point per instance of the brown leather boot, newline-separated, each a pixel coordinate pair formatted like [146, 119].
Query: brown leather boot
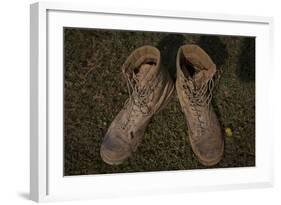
[194, 84]
[149, 90]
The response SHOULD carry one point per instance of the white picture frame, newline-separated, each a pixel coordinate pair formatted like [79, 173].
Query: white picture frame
[47, 182]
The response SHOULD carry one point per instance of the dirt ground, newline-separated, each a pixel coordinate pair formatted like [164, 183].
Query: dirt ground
[95, 91]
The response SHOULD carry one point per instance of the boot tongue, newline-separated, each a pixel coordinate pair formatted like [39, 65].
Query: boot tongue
[143, 73]
[199, 75]
[200, 78]
[200, 67]
[204, 76]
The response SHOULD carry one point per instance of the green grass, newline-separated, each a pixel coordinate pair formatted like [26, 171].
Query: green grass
[95, 91]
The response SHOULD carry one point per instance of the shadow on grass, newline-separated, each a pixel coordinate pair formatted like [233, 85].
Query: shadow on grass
[246, 61]
[168, 47]
[215, 48]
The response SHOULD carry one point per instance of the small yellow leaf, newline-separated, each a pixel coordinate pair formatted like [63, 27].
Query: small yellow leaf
[228, 132]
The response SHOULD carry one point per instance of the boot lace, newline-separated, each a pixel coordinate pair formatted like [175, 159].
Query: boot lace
[200, 98]
[137, 101]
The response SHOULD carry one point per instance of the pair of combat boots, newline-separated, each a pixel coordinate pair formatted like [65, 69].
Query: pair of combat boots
[150, 88]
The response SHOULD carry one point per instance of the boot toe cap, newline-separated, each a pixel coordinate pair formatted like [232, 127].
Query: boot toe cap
[210, 155]
[114, 150]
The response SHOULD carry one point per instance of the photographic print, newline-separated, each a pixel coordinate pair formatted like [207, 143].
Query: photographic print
[137, 101]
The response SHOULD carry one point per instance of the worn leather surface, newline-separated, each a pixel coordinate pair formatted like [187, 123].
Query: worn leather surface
[204, 130]
[153, 87]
